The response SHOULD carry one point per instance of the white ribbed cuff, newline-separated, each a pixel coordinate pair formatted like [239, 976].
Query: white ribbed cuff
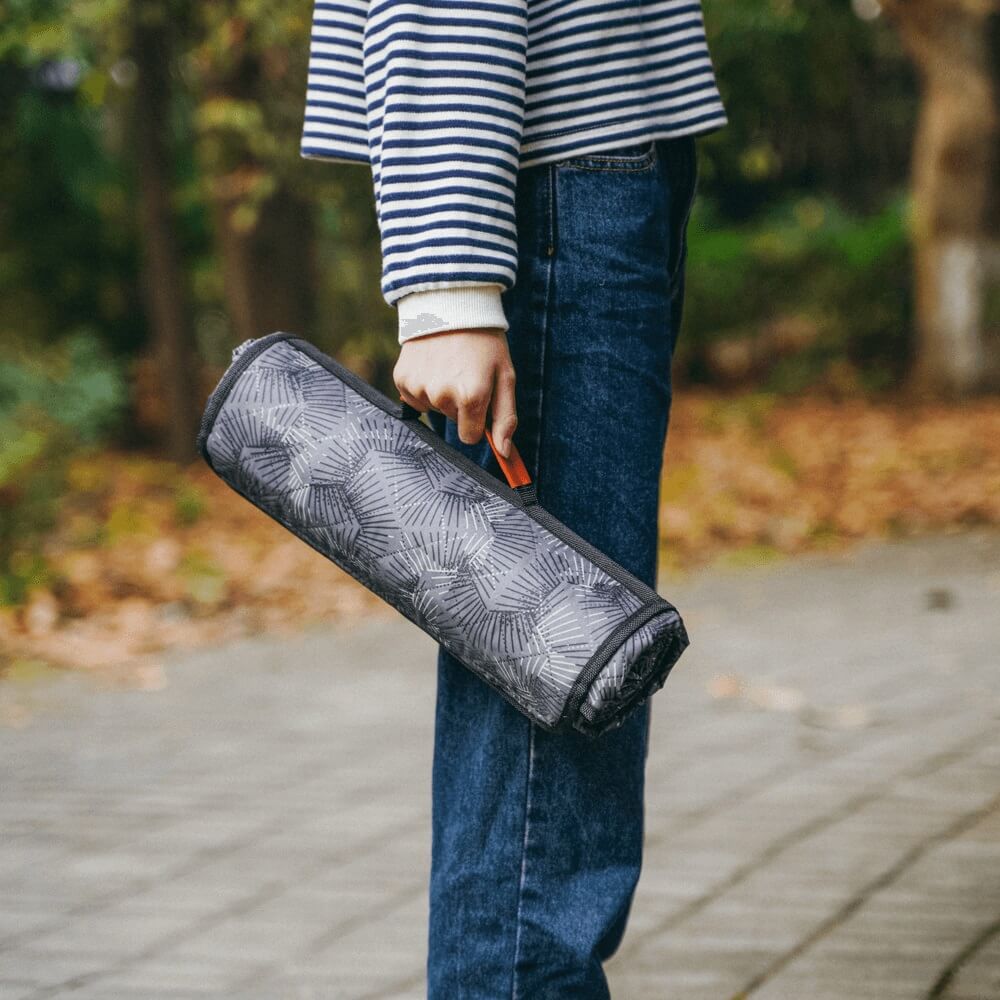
[466, 307]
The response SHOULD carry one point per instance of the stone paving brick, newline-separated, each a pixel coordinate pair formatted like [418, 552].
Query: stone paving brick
[48, 967]
[910, 930]
[188, 977]
[979, 975]
[12, 989]
[111, 935]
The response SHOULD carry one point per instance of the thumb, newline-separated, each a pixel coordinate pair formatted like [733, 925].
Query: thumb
[504, 410]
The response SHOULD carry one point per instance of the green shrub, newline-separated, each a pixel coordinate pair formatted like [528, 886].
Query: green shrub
[53, 405]
[804, 288]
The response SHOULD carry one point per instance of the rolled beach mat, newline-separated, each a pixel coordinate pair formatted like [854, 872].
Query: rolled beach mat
[568, 636]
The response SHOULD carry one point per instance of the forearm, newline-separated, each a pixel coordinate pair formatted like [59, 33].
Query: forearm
[445, 85]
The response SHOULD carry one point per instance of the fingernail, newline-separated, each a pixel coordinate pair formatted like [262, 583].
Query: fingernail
[504, 447]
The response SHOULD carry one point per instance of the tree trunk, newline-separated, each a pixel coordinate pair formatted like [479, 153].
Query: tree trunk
[268, 270]
[265, 241]
[956, 190]
[164, 284]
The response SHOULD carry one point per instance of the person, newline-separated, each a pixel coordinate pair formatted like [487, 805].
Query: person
[534, 165]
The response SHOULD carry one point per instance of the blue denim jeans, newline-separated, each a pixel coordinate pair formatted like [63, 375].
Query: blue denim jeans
[537, 837]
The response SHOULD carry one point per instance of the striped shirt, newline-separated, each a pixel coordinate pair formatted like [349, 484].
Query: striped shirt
[448, 100]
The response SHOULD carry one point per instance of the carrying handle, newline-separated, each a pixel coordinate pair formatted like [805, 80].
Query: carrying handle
[514, 470]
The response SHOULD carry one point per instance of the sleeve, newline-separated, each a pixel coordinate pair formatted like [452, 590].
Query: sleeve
[445, 93]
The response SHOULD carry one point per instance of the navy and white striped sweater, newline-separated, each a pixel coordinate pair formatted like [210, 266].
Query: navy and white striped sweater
[447, 100]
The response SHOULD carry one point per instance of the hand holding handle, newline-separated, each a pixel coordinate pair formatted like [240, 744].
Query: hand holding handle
[513, 467]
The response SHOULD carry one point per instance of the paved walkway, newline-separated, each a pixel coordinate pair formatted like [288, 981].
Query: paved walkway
[823, 805]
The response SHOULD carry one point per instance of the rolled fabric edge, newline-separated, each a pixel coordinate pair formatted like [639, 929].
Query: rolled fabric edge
[650, 651]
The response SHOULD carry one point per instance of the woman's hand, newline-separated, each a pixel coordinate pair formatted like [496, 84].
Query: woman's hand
[461, 373]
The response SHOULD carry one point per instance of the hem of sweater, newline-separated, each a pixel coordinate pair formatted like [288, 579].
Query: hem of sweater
[542, 149]
[561, 146]
[334, 151]
[455, 307]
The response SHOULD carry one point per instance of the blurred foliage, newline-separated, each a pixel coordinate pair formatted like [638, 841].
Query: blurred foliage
[69, 244]
[798, 276]
[787, 297]
[799, 272]
[68, 248]
[53, 405]
[821, 104]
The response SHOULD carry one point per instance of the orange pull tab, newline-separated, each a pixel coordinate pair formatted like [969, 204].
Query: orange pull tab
[513, 468]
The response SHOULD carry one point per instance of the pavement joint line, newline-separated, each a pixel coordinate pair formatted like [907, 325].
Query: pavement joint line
[199, 859]
[115, 967]
[338, 929]
[328, 936]
[691, 818]
[881, 881]
[395, 991]
[264, 895]
[842, 811]
[948, 973]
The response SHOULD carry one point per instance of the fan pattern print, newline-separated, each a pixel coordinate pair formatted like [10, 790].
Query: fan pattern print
[516, 604]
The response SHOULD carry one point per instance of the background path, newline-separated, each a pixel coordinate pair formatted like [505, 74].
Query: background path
[823, 809]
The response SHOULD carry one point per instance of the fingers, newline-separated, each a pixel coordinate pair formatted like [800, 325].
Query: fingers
[473, 401]
[410, 390]
[466, 406]
[420, 392]
[460, 374]
[416, 402]
[504, 409]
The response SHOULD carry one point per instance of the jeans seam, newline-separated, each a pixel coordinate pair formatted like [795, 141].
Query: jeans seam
[524, 858]
[550, 266]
